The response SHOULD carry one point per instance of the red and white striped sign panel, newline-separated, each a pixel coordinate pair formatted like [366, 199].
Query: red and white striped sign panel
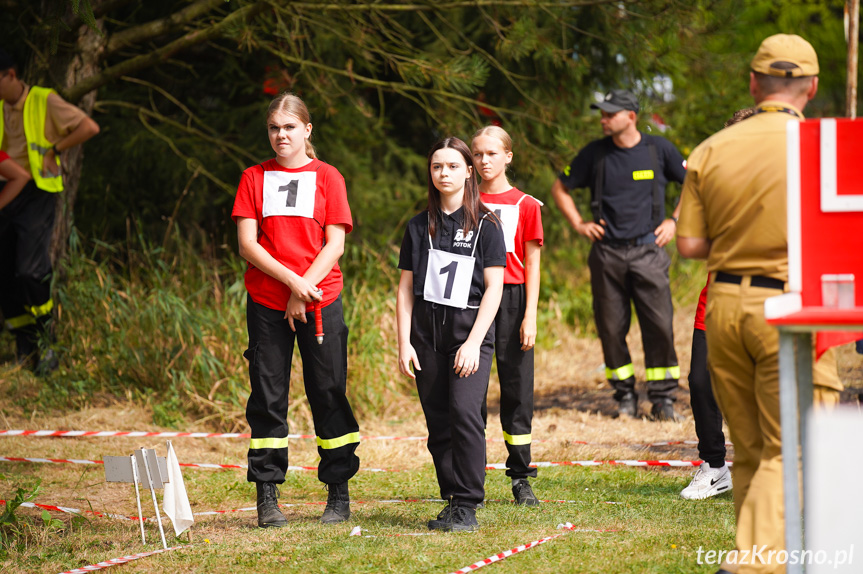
[825, 210]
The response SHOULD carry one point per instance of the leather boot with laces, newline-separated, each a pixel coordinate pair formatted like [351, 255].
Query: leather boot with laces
[269, 515]
[338, 504]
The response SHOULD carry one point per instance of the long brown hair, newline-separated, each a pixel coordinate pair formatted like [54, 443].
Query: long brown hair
[288, 103]
[474, 209]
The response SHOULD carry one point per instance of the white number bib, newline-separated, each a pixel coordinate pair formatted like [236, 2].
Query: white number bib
[449, 275]
[448, 278]
[289, 193]
[508, 215]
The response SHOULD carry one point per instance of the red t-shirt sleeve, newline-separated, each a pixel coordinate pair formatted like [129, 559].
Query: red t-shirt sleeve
[338, 211]
[532, 221]
[245, 201]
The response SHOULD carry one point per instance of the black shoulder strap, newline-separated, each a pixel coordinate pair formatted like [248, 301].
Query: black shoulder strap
[598, 182]
[658, 194]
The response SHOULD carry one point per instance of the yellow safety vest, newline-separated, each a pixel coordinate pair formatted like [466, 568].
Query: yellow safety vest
[35, 115]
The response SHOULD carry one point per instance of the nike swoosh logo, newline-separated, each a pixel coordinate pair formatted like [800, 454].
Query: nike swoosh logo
[714, 481]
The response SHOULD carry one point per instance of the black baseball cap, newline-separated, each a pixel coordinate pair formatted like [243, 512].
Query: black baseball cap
[6, 60]
[617, 100]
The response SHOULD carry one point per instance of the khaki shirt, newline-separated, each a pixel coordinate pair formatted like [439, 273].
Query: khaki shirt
[62, 119]
[734, 195]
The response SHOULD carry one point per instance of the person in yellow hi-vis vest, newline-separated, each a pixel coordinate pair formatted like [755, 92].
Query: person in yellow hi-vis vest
[36, 126]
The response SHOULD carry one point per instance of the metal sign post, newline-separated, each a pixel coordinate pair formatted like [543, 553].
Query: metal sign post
[143, 467]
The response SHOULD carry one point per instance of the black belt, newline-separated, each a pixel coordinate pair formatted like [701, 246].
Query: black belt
[645, 239]
[755, 281]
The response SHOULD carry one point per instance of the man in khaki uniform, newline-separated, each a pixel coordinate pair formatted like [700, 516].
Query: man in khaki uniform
[734, 215]
[36, 126]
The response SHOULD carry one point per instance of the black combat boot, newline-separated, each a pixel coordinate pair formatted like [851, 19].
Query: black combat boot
[338, 504]
[269, 515]
[663, 410]
[627, 406]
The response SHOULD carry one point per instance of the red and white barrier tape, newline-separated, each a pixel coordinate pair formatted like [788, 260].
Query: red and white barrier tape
[78, 511]
[496, 466]
[185, 464]
[172, 434]
[148, 434]
[506, 554]
[121, 560]
[502, 466]
[135, 434]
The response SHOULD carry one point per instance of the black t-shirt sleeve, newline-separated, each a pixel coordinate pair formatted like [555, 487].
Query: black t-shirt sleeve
[493, 244]
[406, 252]
[579, 172]
[673, 162]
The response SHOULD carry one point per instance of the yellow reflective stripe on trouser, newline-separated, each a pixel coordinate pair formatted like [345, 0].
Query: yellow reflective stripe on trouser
[257, 443]
[330, 443]
[516, 439]
[39, 310]
[20, 321]
[662, 373]
[620, 373]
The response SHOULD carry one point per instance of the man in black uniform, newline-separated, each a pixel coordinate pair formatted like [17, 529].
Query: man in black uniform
[627, 172]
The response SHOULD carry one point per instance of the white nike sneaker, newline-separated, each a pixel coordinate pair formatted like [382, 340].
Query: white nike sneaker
[707, 482]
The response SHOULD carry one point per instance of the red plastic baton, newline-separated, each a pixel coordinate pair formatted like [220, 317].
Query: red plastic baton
[319, 323]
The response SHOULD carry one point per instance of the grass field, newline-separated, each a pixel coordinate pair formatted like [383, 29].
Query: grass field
[649, 528]
[159, 348]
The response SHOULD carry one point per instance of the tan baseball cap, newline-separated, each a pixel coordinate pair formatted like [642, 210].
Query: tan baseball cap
[786, 56]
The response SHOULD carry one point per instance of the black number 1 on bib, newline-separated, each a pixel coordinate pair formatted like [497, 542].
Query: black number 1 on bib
[450, 278]
[291, 188]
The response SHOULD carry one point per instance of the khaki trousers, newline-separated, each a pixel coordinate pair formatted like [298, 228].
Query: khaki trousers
[744, 367]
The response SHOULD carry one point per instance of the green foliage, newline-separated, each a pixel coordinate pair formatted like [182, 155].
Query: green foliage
[152, 305]
[153, 323]
[51, 523]
[9, 523]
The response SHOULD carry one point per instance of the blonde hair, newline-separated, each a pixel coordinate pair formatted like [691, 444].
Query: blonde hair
[495, 132]
[288, 103]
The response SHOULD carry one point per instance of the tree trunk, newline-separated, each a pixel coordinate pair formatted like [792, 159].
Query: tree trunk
[66, 70]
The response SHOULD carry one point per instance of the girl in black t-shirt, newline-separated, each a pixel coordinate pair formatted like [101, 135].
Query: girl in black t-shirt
[452, 261]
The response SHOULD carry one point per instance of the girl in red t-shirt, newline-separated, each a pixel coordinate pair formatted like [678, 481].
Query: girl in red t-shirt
[515, 323]
[292, 216]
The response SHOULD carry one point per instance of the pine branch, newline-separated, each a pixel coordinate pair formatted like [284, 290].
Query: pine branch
[435, 6]
[161, 54]
[510, 77]
[103, 105]
[193, 164]
[172, 23]
[170, 97]
[401, 87]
